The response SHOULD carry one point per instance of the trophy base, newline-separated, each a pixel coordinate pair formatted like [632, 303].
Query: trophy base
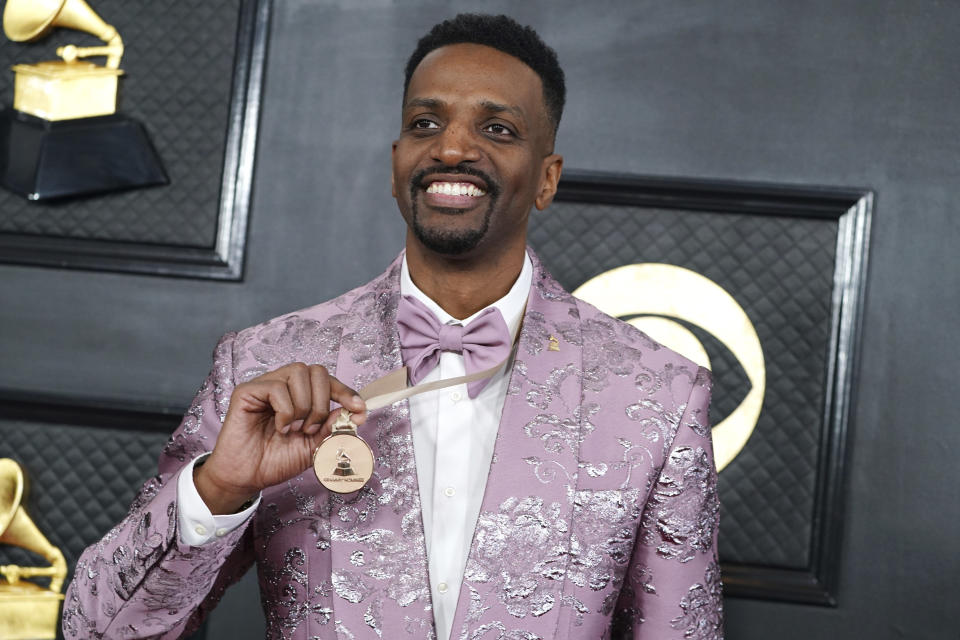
[43, 159]
[28, 612]
[59, 90]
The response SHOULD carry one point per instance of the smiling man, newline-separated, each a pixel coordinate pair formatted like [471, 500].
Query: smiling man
[475, 153]
[565, 490]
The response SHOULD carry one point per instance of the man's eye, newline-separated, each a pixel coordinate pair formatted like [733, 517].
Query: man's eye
[423, 123]
[498, 129]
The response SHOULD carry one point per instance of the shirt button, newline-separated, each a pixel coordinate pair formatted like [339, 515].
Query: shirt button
[456, 396]
[449, 492]
[221, 532]
[442, 587]
[200, 529]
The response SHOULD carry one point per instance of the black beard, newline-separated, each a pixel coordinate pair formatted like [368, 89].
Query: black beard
[445, 242]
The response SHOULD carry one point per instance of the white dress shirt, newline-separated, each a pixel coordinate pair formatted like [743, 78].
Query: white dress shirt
[453, 440]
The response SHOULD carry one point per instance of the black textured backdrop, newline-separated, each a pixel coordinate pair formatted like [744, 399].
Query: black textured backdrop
[179, 67]
[780, 270]
[825, 92]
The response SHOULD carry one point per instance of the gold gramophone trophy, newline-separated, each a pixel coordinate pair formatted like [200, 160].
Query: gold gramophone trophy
[64, 136]
[27, 610]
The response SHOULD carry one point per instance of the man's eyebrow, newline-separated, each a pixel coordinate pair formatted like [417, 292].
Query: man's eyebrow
[496, 107]
[435, 104]
[426, 103]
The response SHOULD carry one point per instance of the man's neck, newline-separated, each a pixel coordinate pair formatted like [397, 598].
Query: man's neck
[463, 286]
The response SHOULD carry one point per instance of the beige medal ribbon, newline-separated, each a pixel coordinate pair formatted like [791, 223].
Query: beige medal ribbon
[343, 462]
[393, 386]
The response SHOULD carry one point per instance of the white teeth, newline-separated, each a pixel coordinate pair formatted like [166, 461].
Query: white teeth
[455, 189]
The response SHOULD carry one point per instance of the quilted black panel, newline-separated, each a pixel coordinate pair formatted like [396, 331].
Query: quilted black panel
[179, 66]
[780, 270]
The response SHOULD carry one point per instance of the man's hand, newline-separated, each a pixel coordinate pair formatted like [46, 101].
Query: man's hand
[272, 427]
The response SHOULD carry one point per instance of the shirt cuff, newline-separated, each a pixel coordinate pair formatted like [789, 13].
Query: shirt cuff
[196, 525]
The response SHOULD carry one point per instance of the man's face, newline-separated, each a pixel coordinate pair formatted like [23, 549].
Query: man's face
[474, 152]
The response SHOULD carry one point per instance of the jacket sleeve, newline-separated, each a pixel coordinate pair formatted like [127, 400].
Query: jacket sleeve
[672, 587]
[140, 581]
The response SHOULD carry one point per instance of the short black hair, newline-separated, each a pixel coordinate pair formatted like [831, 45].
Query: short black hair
[504, 34]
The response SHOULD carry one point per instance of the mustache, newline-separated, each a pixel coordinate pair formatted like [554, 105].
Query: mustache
[416, 181]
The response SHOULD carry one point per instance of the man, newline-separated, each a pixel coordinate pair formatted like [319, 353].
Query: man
[570, 495]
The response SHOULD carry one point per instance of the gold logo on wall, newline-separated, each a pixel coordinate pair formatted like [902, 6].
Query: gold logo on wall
[654, 296]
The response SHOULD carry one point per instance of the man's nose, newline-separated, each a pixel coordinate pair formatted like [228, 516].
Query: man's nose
[456, 144]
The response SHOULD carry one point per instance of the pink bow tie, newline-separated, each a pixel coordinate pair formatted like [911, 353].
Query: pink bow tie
[483, 342]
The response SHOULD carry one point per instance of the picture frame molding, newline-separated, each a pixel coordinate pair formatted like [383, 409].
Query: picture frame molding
[852, 209]
[225, 259]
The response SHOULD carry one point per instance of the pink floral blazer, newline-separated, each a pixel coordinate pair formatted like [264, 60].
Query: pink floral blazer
[599, 518]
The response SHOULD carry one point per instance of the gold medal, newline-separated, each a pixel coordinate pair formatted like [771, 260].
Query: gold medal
[344, 461]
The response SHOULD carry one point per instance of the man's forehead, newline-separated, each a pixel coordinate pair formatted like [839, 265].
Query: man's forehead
[493, 78]
[478, 60]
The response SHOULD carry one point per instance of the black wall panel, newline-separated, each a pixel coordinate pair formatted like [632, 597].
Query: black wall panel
[840, 92]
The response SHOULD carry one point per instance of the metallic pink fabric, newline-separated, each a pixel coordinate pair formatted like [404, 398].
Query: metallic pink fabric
[599, 518]
[484, 341]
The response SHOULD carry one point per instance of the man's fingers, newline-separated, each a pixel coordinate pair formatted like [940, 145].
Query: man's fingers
[319, 380]
[327, 388]
[278, 395]
[298, 382]
[300, 397]
[349, 399]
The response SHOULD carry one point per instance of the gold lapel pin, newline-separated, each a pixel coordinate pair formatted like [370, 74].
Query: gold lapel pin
[554, 344]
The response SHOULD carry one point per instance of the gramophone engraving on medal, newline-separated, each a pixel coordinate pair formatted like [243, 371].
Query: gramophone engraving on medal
[65, 110]
[344, 468]
[344, 461]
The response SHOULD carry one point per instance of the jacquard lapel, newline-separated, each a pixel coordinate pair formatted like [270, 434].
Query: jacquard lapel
[518, 557]
[379, 560]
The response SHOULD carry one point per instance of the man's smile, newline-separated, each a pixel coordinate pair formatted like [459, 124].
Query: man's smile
[453, 191]
[443, 194]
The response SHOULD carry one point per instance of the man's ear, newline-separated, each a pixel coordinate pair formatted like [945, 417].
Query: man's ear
[393, 153]
[550, 177]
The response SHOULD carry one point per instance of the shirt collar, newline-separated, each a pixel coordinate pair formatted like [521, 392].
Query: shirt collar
[511, 306]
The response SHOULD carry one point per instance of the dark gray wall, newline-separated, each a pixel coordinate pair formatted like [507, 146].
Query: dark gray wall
[832, 92]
